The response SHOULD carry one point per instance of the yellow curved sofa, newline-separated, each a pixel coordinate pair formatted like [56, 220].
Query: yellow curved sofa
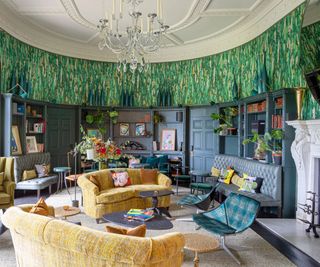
[45, 241]
[110, 199]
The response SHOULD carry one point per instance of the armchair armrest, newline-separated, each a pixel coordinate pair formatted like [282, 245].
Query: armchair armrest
[164, 180]
[9, 187]
[167, 246]
[87, 186]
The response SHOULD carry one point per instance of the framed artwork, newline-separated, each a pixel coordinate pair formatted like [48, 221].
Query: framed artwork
[140, 129]
[31, 144]
[94, 133]
[168, 139]
[124, 129]
[15, 141]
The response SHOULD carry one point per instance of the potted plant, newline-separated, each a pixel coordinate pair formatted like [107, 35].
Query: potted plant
[113, 115]
[277, 135]
[86, 146]
[97, 119]
[225, 120]
[264, 144]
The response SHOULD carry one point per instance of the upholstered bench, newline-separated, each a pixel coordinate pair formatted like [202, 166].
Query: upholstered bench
[28, 162]
[271, 189]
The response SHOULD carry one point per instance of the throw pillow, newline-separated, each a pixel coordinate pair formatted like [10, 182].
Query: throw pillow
[133, 161]
[226, 175]
[153, 162]
[94, 179]
[215, 172]
[237, 180]
[251, 184]
[28, 174]
[148, 176]
[120, 179]
[40, 208]
[139, 231]
[42, 170]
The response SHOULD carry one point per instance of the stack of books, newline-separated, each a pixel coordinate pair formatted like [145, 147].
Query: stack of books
[142, 215]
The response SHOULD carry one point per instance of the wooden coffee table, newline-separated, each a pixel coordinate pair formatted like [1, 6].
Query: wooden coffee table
[199, 243]
[155, 194]
[62, 213]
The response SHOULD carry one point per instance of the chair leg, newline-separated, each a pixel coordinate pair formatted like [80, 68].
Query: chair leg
[38, 193]
[226, 249]
[50, 189]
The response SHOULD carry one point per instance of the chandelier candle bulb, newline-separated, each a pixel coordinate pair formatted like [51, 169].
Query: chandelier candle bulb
[160, 10]
[113, 7]
[141, 25]
[158, 7]
[121, 8]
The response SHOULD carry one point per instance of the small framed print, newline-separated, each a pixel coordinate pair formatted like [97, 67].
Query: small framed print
[31, 144]
[15, 141]
[124, 129]
[140, 129]
[94, 133]
[168, 139]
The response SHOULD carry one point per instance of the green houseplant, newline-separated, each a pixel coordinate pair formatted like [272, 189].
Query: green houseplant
[225, 120]
[86, 146]
[269, 142]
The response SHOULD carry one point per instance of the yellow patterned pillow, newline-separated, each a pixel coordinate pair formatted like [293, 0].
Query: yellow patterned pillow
[228, 176]
[28, 174]
[237, 180]
[215, 172]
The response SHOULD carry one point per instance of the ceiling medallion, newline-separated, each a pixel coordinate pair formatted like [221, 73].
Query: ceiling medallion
[124, 34]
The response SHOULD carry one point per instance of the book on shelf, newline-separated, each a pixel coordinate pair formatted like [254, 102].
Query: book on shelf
[140, 214]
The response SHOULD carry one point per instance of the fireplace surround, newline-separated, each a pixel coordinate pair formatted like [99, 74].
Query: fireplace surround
[305, 151]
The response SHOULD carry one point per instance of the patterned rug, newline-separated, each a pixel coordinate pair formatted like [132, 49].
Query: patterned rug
[248, 246]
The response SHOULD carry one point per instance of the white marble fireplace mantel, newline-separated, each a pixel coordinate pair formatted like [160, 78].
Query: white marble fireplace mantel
[305, 151]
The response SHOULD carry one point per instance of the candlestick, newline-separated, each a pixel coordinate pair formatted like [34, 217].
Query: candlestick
[158, 7]
[121, 8]
[148, 24]
[160, 10]
[110, 22]
[141, 25]
[113, 8]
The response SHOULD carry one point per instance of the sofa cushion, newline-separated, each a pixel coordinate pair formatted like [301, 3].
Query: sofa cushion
[120, 179]
[150, 187]
[40, 208]
[94, 179]
[37, 183]
[114, 195]
[148, 176]
[134, 175]
[4, 198]
[29, 174]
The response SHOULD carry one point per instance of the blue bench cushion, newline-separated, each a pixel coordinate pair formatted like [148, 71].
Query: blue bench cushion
[37, 183]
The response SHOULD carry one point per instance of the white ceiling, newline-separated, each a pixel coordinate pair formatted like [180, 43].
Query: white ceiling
[197, 27]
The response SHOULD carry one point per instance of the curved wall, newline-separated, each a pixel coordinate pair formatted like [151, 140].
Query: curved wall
[61, 79]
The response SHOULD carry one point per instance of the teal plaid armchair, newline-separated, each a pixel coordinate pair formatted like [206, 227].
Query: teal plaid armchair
[234, 215]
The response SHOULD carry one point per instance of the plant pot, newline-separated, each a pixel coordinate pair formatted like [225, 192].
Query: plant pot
[91, 154]
[277, 158]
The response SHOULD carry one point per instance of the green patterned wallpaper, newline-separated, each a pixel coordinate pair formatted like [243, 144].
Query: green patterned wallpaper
[68, 80]
[310, 60]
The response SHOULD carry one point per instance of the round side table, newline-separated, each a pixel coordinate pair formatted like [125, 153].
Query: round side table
[199, 243]
[61, 177]
[60, 212]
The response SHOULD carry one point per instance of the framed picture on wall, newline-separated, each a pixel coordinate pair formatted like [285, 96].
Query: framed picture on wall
[168, 139]
[124, 129]
[140, 129]
[31, 144]
[94, 133]
[15, 141]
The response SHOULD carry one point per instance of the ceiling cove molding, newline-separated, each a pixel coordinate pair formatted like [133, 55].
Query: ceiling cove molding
[246, 30]
[73, 12]
[40, 11]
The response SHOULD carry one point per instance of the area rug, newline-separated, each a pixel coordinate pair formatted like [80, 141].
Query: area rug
[248, 246]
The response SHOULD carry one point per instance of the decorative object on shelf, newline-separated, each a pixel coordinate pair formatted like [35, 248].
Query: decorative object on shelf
[124, 129]
[113, 115]
[154, 145]
[131, 42]
[15, 141]
[311, 210]
[140, 129]
[40, 147]
[263, 143]
[300, 92]
[132, 145]
[86, 146]
[157, 118]
[94, 133]
[22, 92]
[147, 117]
[106, 150]
[31, 142]
[168, 139]
[225, 120]
[97, 119]
[179, 116]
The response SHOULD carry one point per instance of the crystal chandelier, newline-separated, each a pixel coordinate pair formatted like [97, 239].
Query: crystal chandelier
[131, 42]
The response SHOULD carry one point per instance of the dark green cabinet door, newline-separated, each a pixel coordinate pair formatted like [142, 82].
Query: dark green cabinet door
[61, 134]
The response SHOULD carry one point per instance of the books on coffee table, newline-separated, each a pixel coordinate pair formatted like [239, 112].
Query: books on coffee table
[139, 214]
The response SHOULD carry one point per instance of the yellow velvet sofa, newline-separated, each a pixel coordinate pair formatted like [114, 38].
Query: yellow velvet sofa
[110, 199]
[45, 241]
